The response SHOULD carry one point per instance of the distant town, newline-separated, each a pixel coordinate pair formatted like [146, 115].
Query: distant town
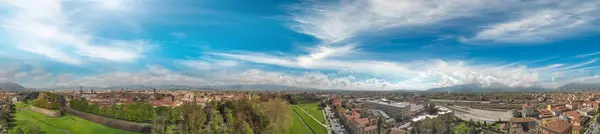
[311, 112]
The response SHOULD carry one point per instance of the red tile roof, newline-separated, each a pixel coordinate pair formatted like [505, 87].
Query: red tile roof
[557, 126]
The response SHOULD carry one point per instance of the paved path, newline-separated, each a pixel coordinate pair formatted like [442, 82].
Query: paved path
[313, 118]
[66, 131]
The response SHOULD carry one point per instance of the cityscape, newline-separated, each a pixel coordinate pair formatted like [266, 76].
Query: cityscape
[318, 112]
[299, 67]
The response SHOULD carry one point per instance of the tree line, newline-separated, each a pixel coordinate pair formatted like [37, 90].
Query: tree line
[47, 100]
[268, 115]
[140, 111]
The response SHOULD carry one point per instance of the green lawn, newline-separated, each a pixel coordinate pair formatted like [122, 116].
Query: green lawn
[71, 123]
[313, 124]
[298, 126]
[313, 109]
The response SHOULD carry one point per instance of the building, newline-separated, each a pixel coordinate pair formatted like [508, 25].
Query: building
[525, 123]
[416, 109]
[357, 125]
[587, 111]
[529, 111]
[387, 119]
[396, 110]
[557, 111]
[545, 114]
[557, 127]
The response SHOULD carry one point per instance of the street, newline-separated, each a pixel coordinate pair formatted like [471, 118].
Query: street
[334, 122]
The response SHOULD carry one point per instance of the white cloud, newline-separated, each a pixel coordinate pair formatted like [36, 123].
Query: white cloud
[337, 21]
[45, 28]
[153, 76]
[43, 77]
[306, 62]
[544, 24]
[587, 55]
[209, 64]
[21, 75]
[412, 75]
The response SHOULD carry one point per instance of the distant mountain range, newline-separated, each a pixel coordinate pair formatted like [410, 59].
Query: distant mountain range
[9, 86]
[264, 87]
[579, 86]
[502, 88]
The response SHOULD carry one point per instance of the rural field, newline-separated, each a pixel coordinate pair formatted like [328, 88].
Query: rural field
[312, 109]
[62, 125]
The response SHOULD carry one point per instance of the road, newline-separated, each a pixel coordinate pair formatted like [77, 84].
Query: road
[334, 122]
[594, 127]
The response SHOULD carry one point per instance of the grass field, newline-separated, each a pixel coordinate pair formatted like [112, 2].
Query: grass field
[312, 108]
[313, 124]
[53, 125]
[298, 126]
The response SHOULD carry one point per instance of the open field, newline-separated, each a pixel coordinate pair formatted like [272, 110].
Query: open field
[313, 124]
[312, 108]
[298, 126]
[62, 125]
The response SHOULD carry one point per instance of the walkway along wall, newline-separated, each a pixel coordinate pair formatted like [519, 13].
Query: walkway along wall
[114, 123]
[51, 113]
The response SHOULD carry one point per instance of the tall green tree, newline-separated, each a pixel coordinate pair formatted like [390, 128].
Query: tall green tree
[246, 129]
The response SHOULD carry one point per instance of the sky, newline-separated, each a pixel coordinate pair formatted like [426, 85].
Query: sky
[333, 44]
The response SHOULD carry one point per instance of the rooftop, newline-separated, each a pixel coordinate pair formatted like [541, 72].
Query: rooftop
[522, 120]
[557, 126]
[390, 103]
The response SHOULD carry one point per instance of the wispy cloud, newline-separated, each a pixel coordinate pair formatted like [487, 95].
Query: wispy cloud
[45, 28]
[587, 55]
[543, 24]
[577, 65]
[412, 75]
[337, 21]
[209, 64]
[323, 58]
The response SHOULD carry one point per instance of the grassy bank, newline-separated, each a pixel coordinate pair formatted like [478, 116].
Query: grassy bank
[60, 125]
[313, 109]
[313, 124]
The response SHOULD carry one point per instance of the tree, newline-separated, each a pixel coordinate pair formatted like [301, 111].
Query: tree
[216, 122]
[229, 121]
[194, 118]
[32, 129]
[471, 122]
[379, 123]
[159, 125]
[140, 112]
[246, 129]
[19, 131]
[174, 115]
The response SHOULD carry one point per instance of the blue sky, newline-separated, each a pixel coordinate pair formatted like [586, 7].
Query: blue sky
[347, 44]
